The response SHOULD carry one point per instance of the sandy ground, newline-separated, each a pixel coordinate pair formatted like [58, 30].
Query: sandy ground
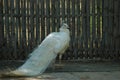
[71, 71]
[72, 76]
[82, 76]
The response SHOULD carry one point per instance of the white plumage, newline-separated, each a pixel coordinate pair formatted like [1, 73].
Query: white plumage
[45, 53]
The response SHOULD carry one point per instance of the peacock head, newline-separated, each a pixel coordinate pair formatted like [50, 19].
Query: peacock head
[64, 25]
[64, 28]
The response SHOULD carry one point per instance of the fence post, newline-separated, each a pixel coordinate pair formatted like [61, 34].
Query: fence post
[116, 24]
[116, 29]
[1, 23]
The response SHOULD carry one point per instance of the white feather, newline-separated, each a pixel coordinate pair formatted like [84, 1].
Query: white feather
[45, 53]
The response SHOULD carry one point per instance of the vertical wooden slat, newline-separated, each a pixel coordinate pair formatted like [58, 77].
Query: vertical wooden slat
[93, 28]
[32, 23]
[98, 27]
[7, 25]
[2, 38]
[109, 30]
[73, 36]
[17, 26]
[58, 14]
[48, 16]
[63, 9]
[20, 28]
[116, 27]
[37, 23]
[68, 11]
[78, 27]
[95, 44]
[1, 24]
[100, 23]
[82, 34]
[23, 13]
[100, 49]
[103, 31]
[119, 23]
[28, 25]
[119, 27]
[88, 27]
[10, 31]
[81, 31]
[114, 31]
[53, 11]
[111, 48]
[84, 28]
[71, 27]
[12, 21]
[108, 51]
[105, 27]
[42, 21]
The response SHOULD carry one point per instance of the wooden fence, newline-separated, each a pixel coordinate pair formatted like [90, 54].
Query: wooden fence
[94, 24]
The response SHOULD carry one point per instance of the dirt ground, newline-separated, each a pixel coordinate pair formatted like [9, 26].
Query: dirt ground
[72, 71]
[84, 76]
[72, 76]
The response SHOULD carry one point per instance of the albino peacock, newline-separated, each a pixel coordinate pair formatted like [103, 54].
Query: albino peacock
[54, 44]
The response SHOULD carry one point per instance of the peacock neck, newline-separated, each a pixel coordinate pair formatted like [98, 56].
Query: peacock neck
[64, 30]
